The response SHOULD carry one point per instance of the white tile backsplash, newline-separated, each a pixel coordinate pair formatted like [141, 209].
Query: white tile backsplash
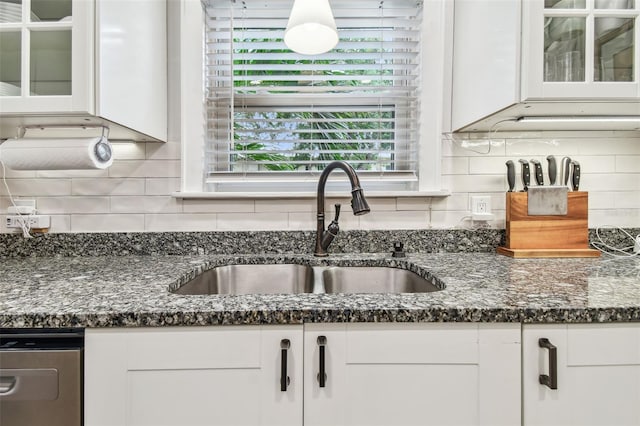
[128, 151]
[161, 186]
[16, 174]
[145, 204]
[610, 182]
[163, 151]
[628, 164]
[134, 194]
[627, 200]
[106, 223]
[60, 223]
[37, 187]
[148, 168]
[395, 220]
[614, 217]
[475, 183]
[252, 221]
[418, 203]
[62, 205]
[72, 173]
[109, 186]
[284, 205]
[219, 206]
[455, 165]
[488, 165]
[456, 201]
[377, 204]
[183, 222]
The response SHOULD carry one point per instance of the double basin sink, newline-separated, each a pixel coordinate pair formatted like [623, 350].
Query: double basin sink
[295, 279]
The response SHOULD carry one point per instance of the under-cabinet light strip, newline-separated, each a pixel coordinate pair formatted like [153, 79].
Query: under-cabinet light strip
[580, 119]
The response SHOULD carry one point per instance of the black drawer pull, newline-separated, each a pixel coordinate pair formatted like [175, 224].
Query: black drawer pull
[550, 380]
[285, 344]
[322, 375]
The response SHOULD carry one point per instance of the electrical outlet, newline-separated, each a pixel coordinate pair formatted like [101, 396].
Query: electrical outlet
[481, 207]
[31, 221]
[22, 207]
[636, 247]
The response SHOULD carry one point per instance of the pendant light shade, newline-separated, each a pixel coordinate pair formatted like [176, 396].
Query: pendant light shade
[311, 29]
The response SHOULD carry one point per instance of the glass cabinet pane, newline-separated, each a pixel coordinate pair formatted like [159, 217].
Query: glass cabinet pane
[50, 72]
[614, 49]
[10, 63]
[614, 4]
[564, 44]
[48, 10]
[565, 4]
[10, 11]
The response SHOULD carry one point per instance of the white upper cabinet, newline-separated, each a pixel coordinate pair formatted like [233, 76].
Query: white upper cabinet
[91, 62]
[580, 49]
[543, 58]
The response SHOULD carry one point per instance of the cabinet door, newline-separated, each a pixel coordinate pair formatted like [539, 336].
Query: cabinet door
[598, 375]
[193, 376]
[413, 374]
[580, 49]
[46, 58]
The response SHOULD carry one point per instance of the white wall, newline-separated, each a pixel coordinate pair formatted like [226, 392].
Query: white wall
[134, 194]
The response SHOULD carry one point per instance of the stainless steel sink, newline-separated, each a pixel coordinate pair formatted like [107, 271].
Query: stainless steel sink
[354, 279]
[293, 279]
[251, 279]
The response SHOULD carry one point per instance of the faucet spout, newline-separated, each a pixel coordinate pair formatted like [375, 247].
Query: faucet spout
[358, 205]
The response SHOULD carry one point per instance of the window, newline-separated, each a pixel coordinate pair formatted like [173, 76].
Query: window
[274, 116]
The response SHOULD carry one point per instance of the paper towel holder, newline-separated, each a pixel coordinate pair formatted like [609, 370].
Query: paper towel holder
[22, 130]
[102, 149]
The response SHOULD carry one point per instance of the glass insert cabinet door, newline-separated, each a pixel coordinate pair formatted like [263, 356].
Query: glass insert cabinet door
[35, 48]
[590, 45]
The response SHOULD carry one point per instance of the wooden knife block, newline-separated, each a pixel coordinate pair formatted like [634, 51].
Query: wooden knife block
[547, 236]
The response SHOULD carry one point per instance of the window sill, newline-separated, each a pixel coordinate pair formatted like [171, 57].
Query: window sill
[303, 195]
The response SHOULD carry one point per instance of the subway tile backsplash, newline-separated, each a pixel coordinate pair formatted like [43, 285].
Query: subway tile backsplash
[134, 194]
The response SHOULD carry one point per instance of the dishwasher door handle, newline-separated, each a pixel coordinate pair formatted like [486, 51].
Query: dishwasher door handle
[7, 383]
[28, 384]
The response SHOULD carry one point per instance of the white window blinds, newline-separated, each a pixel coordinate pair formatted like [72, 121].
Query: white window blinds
[275, 116]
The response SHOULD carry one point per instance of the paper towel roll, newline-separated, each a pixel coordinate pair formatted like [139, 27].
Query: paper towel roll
[56, 154]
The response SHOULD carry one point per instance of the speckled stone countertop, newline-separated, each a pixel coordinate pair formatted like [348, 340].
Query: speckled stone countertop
[128, 291]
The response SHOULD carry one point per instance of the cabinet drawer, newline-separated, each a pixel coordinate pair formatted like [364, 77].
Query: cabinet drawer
[193, 348]
[601, 344]
[412, 344]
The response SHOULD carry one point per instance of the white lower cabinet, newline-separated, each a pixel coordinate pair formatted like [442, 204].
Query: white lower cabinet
[413, 374]
[596, 374]
[375, 374]
[192, 376]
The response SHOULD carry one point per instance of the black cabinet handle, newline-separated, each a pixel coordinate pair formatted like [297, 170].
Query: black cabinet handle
[285, 344]
[322, 375]
[550, 380]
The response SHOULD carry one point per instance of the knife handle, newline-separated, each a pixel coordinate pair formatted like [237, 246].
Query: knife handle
[553, 169]
[511, 175]
[538, 172]
[566, 171]
[575, 176]
[526, 176]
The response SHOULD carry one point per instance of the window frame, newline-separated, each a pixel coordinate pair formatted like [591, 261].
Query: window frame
[188, 54]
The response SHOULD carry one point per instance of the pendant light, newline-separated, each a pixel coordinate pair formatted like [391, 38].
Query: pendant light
[311, 29]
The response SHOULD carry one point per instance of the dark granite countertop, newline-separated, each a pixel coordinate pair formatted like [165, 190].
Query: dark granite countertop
[127, 291]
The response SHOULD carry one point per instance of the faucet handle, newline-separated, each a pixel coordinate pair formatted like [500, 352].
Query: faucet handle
[337, 206]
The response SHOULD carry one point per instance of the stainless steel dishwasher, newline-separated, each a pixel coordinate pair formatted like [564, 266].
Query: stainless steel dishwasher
[41, 374]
